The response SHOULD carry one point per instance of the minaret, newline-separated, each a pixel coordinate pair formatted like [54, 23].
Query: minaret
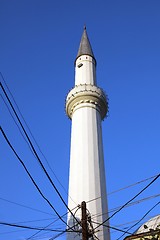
[87, 106]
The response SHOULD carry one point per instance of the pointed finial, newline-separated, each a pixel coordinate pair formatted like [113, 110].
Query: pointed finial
[85, 46]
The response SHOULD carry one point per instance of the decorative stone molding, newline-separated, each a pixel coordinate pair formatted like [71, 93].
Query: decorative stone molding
[81, 95]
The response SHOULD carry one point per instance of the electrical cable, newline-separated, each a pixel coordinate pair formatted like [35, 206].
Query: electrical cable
[15, 122]
[38, 220]
[58, 235]
[118, 190]
[33, 235]
[129, 201]
[139, 220]
[45, 235]
[113, 209]
[123, 224]
[131, 185]
[33, 181]
[127, 223]
[117, 229]
[28, 227]
[9, 232]
[41, 228]
[31, 228]
[104, 225]
[30, 134]
[43, 153]
[21, 205]
[41, 164]
[69, 228]
[110, 193]
[129, 205]
[52, 238]
[51, 224]
[136, 202]
[33, 139]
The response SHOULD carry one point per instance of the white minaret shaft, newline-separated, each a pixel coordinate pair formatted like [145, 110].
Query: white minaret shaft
[86, 105]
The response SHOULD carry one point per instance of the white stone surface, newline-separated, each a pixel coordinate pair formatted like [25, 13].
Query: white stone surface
[87, 174]
[85, 73]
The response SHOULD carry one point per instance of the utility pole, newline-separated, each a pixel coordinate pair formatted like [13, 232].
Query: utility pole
[84, 221]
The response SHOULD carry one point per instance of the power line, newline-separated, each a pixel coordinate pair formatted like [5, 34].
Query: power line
[8, 232]
[139, 220]
[58, 235]
[115, 228]
[131, 185]
[28, 227]
[75, 225]
[111, 227]
[52, 238]
[129, 205]
[31, 228]
[42, 236]
[123, 224]
[118, 190]
[30, 134]
[22, 230]
[21, 205]
[114, 209]
[118, 210]
[39, 220]
[33, 181]
[33, 235]
[136, 202]
[51, 224]
[15, 121]
[41, 164]
[43, 153]
[111, 210]
[41, 229]
[129, 201]
[35, 209]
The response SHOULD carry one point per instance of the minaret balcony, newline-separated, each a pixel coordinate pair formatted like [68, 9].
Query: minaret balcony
[86, 95]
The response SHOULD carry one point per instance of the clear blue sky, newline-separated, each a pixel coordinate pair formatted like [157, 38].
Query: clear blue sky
[39, 41]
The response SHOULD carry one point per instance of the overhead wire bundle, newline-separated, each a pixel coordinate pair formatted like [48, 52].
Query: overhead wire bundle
[29, 142]
[38, 158]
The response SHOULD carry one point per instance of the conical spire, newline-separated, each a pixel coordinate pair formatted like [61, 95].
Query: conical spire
[85, 46]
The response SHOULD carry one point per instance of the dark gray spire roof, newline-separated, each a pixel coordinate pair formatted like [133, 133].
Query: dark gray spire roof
[85, 46]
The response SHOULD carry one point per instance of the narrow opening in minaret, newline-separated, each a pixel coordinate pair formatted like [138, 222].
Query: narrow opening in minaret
[80, 65]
